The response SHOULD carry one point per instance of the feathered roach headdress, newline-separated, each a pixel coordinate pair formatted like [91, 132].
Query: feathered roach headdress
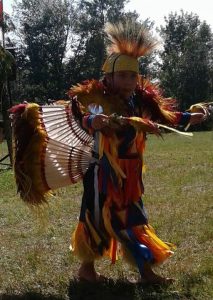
[127, 42]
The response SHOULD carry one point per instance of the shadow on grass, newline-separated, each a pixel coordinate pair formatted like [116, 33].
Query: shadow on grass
[108, 290]
[29, 296]
[117, 290]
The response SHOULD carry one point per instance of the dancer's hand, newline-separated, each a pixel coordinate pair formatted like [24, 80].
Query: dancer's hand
[197, 118]
[100, 121]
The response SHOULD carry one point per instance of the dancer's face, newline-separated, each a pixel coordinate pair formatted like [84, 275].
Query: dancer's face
[123, 82]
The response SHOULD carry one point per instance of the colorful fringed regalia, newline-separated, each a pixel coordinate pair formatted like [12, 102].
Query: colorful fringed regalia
[56, 146]
[112, 210]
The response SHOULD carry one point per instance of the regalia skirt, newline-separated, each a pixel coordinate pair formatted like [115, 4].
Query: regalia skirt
[113, 220]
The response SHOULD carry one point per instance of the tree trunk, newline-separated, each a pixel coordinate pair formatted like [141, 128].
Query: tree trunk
[6, 104]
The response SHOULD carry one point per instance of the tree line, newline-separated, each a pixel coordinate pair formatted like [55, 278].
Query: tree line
[61, 42]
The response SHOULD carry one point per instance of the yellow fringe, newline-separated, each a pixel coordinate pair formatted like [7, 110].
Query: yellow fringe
[80, 245]
[34, 189]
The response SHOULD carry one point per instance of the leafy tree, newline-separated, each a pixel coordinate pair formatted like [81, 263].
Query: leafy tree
[62, 42]
[7, 63]
[7, 24]
[6, 68]
[148, 64]
[89, 47]
[44, 28]
[186, 58]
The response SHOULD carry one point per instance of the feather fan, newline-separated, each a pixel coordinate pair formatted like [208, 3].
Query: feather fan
[51, 150]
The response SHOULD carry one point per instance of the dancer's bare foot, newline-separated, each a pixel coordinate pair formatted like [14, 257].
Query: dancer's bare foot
[87, 272]
[149, 277]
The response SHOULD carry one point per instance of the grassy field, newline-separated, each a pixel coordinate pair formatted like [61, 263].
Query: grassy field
[35, 262]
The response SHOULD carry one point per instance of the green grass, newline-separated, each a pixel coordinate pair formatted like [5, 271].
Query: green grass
[35, 262]
[4, 158]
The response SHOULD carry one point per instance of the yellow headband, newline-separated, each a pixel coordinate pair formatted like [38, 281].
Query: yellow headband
[120, 62]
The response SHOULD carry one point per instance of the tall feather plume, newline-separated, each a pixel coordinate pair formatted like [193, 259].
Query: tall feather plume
[130, 38]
